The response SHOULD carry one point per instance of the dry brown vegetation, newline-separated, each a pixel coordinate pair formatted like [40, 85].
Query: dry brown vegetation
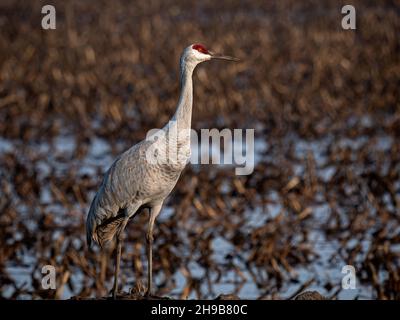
[325, 104]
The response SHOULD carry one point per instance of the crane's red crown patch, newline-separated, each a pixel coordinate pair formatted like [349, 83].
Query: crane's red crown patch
[200, 48]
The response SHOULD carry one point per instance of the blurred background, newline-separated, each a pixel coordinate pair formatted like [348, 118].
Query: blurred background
[324, 103]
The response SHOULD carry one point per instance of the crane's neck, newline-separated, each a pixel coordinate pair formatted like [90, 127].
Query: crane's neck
[177, 130]
[177, 142]
[183, 114]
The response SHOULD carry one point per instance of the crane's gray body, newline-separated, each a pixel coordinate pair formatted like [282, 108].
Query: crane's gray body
[133, 182]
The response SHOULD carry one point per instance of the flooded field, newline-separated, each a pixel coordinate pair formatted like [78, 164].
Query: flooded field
[325, 107]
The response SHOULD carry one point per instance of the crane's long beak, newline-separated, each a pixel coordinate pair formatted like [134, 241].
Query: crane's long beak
[222, 57]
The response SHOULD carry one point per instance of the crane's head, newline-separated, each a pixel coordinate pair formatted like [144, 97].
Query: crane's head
[197, 53]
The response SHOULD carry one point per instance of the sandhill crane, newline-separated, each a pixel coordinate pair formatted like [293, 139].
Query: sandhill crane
[133, 183]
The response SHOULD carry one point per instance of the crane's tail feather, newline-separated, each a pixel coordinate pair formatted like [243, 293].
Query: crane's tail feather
[91, 224]
[107, 230]
[102, 224]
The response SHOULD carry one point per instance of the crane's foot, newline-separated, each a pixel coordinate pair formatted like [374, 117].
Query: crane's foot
[148, 294]
[114, 294]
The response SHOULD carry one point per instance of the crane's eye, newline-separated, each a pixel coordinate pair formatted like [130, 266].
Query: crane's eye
[200, 48]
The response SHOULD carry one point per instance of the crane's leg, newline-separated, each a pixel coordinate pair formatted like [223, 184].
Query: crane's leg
[154, 212]
[118, 248]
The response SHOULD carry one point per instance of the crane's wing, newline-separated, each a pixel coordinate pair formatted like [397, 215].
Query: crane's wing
[120, 187]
